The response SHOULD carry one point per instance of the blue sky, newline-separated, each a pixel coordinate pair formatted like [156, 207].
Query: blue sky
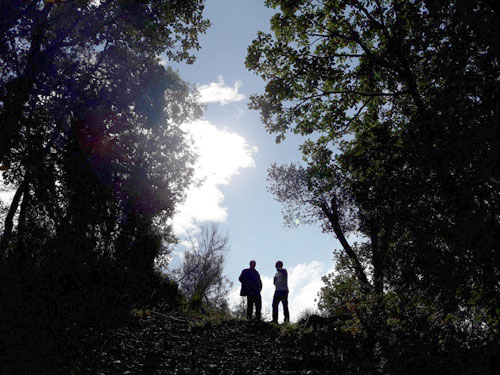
[235, 195]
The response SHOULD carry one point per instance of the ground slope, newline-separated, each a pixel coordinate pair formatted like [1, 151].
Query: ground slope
[177, 344]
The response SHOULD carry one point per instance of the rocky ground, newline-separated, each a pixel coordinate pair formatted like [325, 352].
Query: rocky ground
[175, 343]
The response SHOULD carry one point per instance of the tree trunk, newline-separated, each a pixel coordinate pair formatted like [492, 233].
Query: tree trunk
[332, 214]
[9, 220]
[21, 255]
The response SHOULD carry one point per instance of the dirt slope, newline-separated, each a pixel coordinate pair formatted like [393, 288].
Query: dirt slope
[176, 344]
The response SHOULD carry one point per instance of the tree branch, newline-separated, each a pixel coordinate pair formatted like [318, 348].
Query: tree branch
[9, 220]
[332, 214]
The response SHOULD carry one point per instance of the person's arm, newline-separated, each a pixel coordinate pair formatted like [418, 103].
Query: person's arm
[242, 277]
[260, 282]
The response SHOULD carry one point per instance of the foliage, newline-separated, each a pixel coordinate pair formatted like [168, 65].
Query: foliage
[200, 275]
[90, 133]
[303, 199]
[318, 195]
[399, 100]
[90, 125]
[45, 45]
[305, 314]
[375, 79]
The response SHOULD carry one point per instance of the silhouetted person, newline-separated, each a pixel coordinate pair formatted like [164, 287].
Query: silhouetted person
[281, 292]
[251, 285]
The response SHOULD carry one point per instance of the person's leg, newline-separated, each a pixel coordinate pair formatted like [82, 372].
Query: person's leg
[250, 302]
[285, 307]
[276, 301]
[258, 307]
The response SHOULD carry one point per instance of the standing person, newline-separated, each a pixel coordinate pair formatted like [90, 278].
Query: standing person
[281, 292]
[251, 285]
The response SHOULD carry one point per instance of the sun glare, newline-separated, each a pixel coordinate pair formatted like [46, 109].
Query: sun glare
[221, 156]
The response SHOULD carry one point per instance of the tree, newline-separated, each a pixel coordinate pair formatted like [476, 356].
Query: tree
[309, 200]
[110, 169]
[397, 95]
[200, 275]
[91, 122]
[90, 132]
[401, 104]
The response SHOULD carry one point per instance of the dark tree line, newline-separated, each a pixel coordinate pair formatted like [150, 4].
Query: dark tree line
[89, 131]
[401, 102]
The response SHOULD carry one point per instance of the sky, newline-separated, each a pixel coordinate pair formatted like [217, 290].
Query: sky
[235, 152]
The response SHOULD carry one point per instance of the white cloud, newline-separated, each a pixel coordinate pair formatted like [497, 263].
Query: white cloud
[222, 155]
[304, 283]
[219, 92]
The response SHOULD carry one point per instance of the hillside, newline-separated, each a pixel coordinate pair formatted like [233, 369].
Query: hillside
[177, 344]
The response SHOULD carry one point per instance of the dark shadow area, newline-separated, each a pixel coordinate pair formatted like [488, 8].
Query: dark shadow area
[46, 313]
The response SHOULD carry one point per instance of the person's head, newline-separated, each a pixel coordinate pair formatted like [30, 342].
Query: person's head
[252, 264]
[279, 264]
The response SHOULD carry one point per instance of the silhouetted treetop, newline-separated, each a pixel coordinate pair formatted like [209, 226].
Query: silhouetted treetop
[45, 43]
